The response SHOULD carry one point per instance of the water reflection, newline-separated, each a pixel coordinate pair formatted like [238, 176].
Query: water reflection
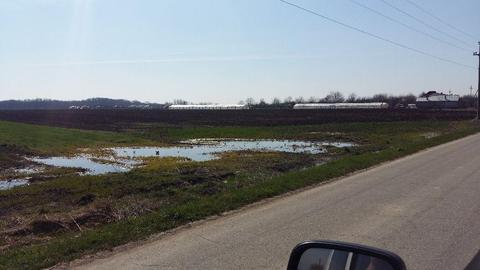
[126, 158]
[8, 184]
[206, 149]
[84, 162]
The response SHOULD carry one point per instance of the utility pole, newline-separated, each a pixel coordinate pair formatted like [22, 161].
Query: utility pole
[478, 89]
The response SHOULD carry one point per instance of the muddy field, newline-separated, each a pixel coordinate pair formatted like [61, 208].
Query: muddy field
[65, 193]
[121, 119]
[11, 156]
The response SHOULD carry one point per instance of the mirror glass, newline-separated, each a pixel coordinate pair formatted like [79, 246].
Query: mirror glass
[330, 259]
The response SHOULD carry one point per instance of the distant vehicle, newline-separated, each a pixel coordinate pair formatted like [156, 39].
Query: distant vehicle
[412, 106]
[141, 106]
[333, 106]
[434, 100]
[209, 107]
[83, 107]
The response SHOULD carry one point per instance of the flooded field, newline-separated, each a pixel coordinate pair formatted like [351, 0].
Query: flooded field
[66, 192]
[123, 159]
[86, 162]
[208, 149]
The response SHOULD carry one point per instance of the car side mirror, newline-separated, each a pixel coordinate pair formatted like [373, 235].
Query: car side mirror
[329, 255]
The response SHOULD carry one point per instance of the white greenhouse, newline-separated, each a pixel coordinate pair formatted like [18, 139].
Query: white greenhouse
[332, 106]
[209, 107]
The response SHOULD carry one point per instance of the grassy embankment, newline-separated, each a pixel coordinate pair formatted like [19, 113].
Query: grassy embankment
[187, 191]
[17, 140]
[51, 140]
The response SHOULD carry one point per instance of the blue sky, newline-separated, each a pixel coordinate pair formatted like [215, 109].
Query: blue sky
[227, 50]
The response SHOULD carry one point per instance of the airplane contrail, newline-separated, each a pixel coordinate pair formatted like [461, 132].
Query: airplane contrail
[177, 60]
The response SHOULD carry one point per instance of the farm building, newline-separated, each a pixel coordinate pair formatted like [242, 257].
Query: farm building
[433, 100]
[332, 106]
[209, 107]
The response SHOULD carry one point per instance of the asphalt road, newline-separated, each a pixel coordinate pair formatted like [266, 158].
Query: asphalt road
[425, 207]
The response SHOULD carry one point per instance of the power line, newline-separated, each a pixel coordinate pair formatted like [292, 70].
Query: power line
[423, 22]
[440, 20]
[375, 35]
[408, 26]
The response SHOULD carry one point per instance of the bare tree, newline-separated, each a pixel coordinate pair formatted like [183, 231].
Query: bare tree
[276, 101]
[299, 100]
[334, 97]
[250, 101]
[180, 102]
[352, 98]
[380, 98]
[288, 100]
[410, 98]
[312, 99]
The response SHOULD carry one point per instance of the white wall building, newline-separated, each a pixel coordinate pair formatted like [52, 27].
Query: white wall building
[209, 107]
[318, 106]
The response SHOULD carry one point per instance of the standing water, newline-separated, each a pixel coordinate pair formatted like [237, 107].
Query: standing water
[207, 149]
[84, 162]
[8, 184]
[125, 158]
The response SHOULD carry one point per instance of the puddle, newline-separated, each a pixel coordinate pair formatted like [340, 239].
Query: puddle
[85, 162]
[206, 149]
[8, 184]
[126, 158]
[265, 143]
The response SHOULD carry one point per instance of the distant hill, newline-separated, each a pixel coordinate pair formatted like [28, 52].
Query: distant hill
[91, 103]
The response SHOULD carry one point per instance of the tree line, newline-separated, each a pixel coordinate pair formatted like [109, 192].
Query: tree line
[466, 101]
[91, 103]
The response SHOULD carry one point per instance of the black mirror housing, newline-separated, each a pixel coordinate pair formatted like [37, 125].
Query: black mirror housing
[355, 251]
